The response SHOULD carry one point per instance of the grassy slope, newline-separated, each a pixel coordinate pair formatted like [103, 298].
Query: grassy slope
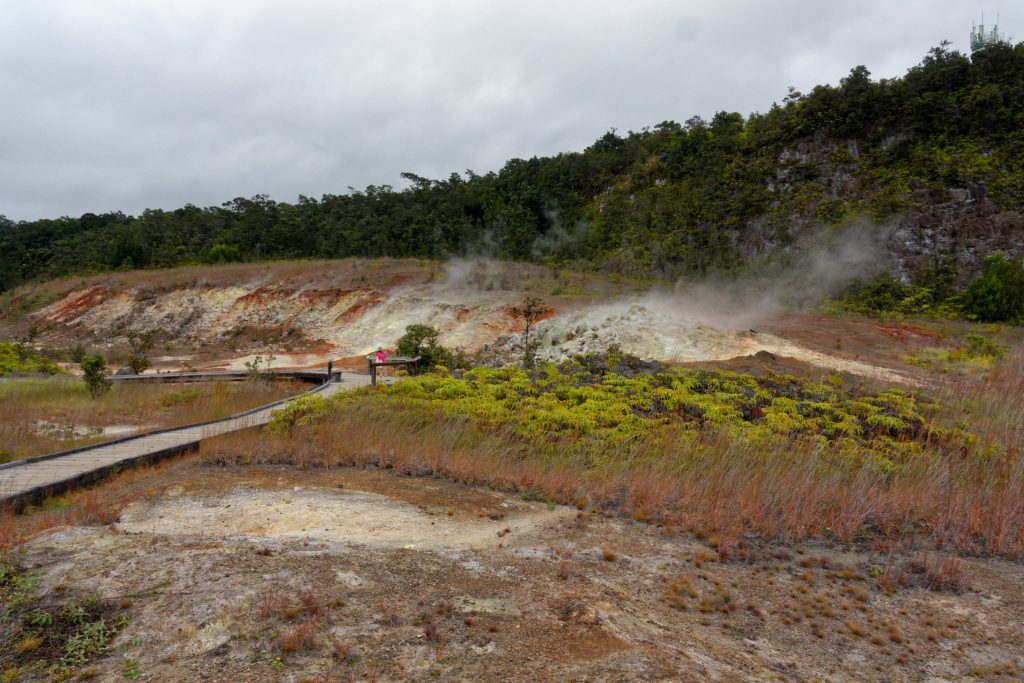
[67, 403]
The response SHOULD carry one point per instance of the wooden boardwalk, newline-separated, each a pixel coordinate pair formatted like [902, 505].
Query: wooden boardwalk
[26, 481]
[317, 376]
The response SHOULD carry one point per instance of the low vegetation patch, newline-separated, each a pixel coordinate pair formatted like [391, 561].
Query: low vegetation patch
[996, 294]
[976, 353]
[21, 359]
[608, 403]
[54, 633]
[718, 453]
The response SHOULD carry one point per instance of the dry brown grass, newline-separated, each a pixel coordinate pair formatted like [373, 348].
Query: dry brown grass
[66, 402]
[300, 637]
[967, 497]
[856, 628]
[934, 571]
[342, 648]
[98, 505]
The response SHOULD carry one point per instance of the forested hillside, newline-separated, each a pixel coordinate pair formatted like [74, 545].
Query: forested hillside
[938, 153]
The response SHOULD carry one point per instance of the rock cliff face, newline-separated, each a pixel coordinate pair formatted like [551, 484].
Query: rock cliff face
[966, 226]
[961, 224]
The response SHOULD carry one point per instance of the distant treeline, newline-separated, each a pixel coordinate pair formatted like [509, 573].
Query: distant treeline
[669, 200]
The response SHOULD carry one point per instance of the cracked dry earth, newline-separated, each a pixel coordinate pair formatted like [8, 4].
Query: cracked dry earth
[413, 579]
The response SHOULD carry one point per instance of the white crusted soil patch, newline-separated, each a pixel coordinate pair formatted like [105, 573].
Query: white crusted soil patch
[339, 516]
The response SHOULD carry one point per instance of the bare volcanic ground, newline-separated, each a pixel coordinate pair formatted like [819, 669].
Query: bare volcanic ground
[268, 574]
[301, 312]
[305, 313]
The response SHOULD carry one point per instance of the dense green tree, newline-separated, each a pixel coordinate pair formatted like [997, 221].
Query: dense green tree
[223, 253]
[418, 341]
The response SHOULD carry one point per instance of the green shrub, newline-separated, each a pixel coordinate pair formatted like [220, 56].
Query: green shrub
[223, 253]
[997, 293]
[303, 410]
[141, 345]
[94, 374]
[976, 353]
[88, 641]
[22, 359]
[980, 346]
[421, 340]
[883, 296]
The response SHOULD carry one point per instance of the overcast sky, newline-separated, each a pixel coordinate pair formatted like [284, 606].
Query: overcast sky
[124, 105]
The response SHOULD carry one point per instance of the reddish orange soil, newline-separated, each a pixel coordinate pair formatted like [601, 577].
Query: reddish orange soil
[854, 338]
[77, 304]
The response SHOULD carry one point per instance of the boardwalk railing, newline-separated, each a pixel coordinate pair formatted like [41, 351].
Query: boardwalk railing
[26, 481]
[317, 376]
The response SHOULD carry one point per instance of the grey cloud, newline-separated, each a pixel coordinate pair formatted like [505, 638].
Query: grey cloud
[123, 104]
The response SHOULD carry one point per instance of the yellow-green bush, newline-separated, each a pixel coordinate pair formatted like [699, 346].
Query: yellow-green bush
[303, 410]
[976, 353]
[22, 359]
[575, 400]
